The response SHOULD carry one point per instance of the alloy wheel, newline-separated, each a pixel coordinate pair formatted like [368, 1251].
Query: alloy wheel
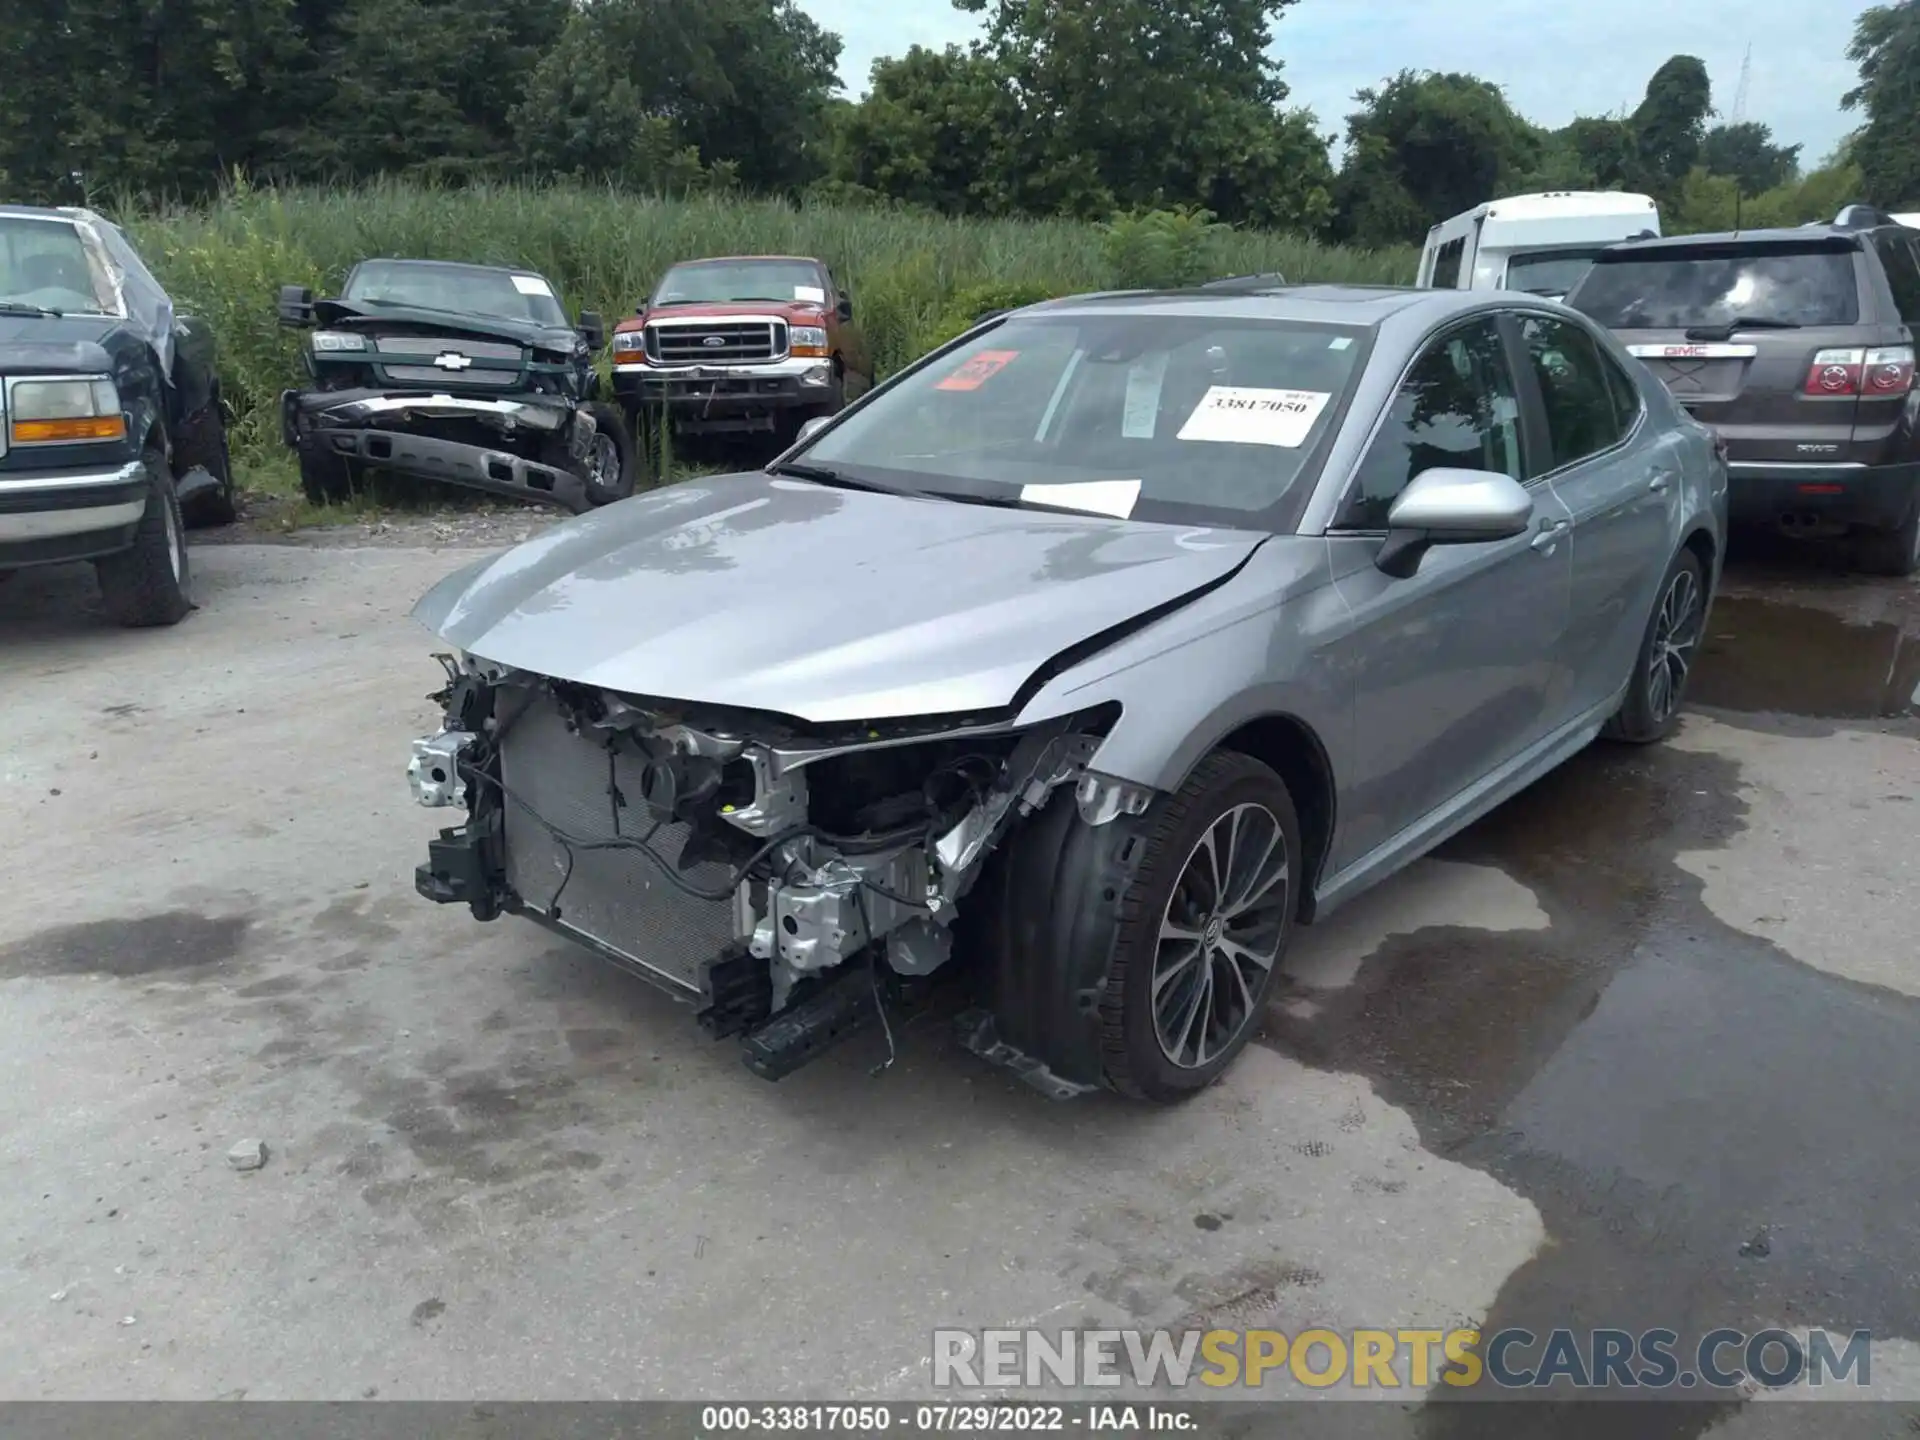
[606, 462]
[1676, 632]
[1220, 935]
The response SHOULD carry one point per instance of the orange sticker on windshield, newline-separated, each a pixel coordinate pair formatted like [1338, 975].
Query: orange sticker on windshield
[980, 369]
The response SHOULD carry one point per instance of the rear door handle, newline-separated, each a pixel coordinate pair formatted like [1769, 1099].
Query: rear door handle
[1549, 536]
[1661, 480]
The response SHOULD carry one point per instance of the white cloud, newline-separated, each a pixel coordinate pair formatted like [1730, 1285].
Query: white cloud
[1554, 61]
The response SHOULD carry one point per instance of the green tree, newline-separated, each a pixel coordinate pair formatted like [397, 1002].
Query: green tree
[1886, 47]
[1670, 124]
[929, 132]
[1424, 146]
[428, 86]
[657, 92]
[1133, 104]
[1746, 154]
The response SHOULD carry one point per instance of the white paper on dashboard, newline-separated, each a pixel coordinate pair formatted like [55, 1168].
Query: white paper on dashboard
[1243, 415]
[811, 294]
[1096, 497]
[531, 285]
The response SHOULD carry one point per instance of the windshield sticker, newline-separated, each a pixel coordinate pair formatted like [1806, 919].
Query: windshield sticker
[1340, 342]
[1143, 396]
[532, 285]
[1096, 497]
[978, 370]
[1241, 415]
[810, 294]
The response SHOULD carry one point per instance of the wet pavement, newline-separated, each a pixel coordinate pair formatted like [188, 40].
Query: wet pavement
[1641, 1049]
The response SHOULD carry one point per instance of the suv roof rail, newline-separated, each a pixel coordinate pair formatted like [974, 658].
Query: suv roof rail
[1267, 280]
[1862, 217]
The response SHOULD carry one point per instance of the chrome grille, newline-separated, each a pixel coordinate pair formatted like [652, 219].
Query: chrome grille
[432, 345]
[717, 342]
[453, 379]
[617, 897]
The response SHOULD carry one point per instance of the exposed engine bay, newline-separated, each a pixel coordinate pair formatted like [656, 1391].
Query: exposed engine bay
[743, 862]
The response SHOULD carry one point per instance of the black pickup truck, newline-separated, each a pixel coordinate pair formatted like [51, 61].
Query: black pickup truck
[470, 374]
[113, 432]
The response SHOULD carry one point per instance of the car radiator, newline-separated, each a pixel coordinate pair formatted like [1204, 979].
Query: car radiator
[618, 897]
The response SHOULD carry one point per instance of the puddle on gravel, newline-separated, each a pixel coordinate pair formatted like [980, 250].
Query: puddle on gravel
[144, 945]
[1662, 1086]
[1764, 656]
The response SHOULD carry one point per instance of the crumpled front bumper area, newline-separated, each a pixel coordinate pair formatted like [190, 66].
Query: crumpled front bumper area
[731, 871]
[506, 447]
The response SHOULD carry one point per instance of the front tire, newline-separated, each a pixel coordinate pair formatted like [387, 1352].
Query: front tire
[610, 465]
[1204, 928]
[149, 583]
[327, 479]
[1665, 661]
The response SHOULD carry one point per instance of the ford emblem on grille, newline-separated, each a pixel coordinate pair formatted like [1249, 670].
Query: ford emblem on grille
[714, 340]
[451, 360]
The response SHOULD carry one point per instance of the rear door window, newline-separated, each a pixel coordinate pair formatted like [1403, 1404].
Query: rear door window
[1903, 272]
[1676, 288]
[1583, 413]
[1446, 265]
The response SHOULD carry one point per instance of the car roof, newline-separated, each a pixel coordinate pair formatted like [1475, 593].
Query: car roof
[43, 212]
[1327, 304]
[737, 259]
[448, 265]
[1826, 236]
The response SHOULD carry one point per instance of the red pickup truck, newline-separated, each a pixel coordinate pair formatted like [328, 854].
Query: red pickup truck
[743, 344]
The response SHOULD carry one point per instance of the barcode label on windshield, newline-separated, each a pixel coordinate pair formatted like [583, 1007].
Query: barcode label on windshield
[1241, 415]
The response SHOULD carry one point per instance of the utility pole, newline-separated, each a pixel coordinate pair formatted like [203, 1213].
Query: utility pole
[1739, 112]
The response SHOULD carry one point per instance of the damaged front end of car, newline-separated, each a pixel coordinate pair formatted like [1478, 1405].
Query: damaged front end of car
[528, 447]
[792, 881]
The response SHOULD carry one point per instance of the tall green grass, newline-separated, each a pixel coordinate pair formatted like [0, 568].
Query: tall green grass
[605, 249]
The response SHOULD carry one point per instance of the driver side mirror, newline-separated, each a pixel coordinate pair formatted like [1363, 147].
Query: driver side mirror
[593, 330]
[1451, 507]
[810, 427]
[845, 309]
[296, 306]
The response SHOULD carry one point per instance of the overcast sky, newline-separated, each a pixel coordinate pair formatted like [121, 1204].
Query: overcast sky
[1554, 59]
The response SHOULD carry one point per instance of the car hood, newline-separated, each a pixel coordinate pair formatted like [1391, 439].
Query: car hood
[376, 319]
[70, 345]
[828, 605]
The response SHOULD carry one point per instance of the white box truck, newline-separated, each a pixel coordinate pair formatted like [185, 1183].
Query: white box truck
[1538, 243]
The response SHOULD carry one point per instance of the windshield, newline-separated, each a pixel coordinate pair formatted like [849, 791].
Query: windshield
[1674, 289]
[717, 281]
[459, 289]
[1548, 272]
[1196, 419]
[45, 263]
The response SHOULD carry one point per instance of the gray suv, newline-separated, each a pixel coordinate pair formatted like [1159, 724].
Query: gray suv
[1797, 347]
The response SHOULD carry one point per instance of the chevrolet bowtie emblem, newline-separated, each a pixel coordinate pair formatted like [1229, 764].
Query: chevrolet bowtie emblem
[451, 360]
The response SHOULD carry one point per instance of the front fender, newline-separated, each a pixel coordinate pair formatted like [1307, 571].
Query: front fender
[1259, 646]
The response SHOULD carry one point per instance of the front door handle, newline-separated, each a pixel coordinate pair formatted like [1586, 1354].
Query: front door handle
[1661, 479]
[1549, 536]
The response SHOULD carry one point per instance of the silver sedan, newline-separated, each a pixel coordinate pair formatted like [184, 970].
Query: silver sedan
[1077, 664]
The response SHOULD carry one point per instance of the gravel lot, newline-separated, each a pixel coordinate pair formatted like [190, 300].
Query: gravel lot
[1658, 1009]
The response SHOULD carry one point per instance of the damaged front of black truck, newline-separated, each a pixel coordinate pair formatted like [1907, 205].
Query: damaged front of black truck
[467, 374]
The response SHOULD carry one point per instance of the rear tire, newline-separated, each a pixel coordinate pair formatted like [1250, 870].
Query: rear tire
[327, 479]
[149, 583]
[1204, 927]
[1664, 663]
[1892, 552]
